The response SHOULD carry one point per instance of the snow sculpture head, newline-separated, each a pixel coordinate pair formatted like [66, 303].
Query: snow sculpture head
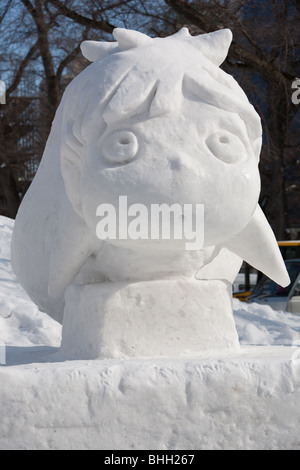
[188, 125]
[156, 120]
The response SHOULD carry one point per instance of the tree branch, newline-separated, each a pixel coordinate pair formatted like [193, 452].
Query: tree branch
[5, 10]
[189, 13]
[29, 7]
[102, 25]
[21, 69]
[66, 61]
[297, 4]
[38, 16]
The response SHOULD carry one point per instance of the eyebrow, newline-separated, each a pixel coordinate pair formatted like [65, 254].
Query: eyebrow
[160, 93]
[133, 96]
[223, 97]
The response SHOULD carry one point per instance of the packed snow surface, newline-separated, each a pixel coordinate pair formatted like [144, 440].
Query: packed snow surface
[244, 401]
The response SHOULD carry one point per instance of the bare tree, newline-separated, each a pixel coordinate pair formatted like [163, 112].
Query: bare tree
[43, 47]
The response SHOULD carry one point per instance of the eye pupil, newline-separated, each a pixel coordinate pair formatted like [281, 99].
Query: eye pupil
[120, 146]
[226, 146]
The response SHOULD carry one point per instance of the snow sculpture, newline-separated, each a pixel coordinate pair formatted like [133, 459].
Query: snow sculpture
[157, 121]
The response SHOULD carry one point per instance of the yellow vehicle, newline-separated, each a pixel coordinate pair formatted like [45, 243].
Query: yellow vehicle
[290, 249]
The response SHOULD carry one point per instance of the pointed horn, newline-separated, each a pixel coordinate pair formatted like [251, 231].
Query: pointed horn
[182, 33]
[129, 39]
[214, 46]
[257, 245]
[95, 50]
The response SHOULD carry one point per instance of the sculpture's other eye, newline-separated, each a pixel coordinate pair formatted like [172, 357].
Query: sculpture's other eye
[226, 146]
[120, 146]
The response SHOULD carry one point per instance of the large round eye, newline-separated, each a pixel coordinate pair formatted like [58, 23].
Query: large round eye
[226, 146]
[120, 146]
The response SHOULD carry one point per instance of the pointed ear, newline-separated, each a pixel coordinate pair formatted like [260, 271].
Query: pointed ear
[214, 46]
[182, 33]
[72, 247]
[95, 50]
[257, 245]
[129, 39]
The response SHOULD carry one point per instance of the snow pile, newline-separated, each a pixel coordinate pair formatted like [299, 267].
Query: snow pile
[21, 323]
[246, 402]
[261, 325]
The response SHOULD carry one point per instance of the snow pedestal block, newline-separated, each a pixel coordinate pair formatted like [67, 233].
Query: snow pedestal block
[145, 319]
[244, 400]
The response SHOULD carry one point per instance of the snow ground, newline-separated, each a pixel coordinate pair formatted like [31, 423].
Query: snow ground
[121, 404]
[21, 323]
